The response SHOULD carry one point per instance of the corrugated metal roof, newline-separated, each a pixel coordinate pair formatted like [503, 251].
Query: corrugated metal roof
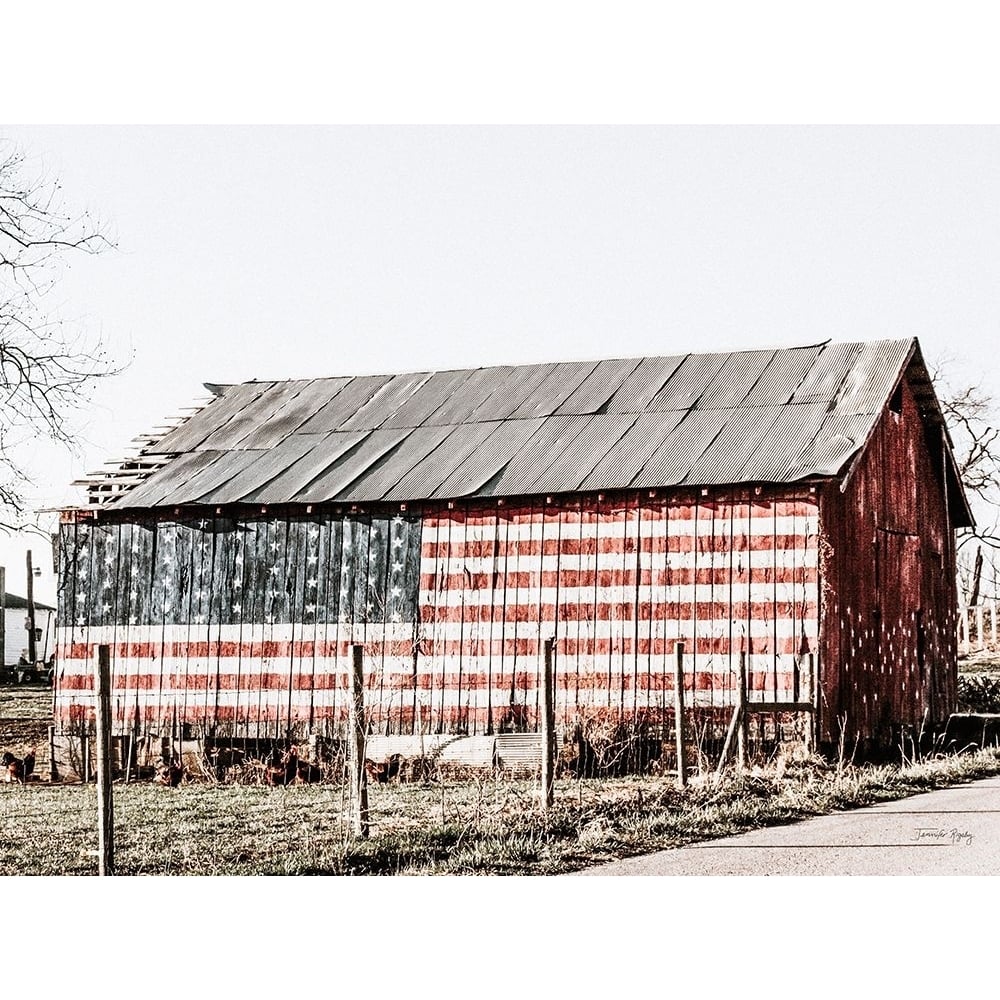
[697, 419]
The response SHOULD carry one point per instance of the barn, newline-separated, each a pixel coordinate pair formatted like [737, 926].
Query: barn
[788, 510]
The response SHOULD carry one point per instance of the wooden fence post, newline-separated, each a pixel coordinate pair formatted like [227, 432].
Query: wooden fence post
[679, 714]
[359, 779]
[548, 726]
[53, 771]
[105, 802]
[741, 733]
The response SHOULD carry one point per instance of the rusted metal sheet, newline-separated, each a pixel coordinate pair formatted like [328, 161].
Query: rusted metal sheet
[385, 401]
[422, 407]
[594, 392]
[351, 465]
[210, 418]
[643, 384]
[672, 460]
[344, 404]
[735, 380]
[623, 462]
[574, 460]
[245, 424]
[484, 464]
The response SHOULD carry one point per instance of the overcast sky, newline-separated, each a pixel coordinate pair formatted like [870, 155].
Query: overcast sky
[280, 252]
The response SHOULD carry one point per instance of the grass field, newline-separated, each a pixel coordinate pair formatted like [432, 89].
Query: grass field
[486, 827]
[489, 826]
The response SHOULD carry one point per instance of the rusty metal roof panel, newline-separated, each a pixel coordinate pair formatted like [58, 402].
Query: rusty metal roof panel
[476, 474]
[723, 460]
[786, 439]
[625, 459]
[681, 448]
[513, 386]
[210, 418]
[574, 460]
[310, 398]
[426, 478]
[837, 441]
[158, 488]
[823, 380]
[554, 390]
[434, 395]
[554, 435]
[688, 382]
[385, 402]
[317, 452]
[475, 390]
[335, 482]
[734, 382]
[252, 417]
[596, 390]
[381, 477]
[344, 404]
[643, 384]
[784, 375]
[872, 377]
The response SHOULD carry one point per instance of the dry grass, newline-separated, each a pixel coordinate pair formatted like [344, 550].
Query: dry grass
[490, 826]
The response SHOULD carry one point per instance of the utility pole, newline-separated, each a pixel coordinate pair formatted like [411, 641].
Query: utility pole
[30, 624]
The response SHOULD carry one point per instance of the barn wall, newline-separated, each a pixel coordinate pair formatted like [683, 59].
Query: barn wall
[889, 600]
[243, 626]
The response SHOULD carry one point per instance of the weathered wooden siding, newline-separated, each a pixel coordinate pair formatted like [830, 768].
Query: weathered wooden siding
[243, 625]
[889, 599]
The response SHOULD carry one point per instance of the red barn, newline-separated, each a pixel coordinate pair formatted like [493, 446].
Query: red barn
[794, 509]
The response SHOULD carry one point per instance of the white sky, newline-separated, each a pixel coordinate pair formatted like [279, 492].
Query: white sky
[280, 252]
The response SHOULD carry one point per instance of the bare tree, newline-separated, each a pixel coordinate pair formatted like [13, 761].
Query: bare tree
[974, 425]
[47, 365]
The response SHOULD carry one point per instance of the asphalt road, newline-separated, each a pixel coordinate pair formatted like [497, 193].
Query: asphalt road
[954, 831]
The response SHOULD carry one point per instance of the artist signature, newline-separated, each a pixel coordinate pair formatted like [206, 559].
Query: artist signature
[952, 836]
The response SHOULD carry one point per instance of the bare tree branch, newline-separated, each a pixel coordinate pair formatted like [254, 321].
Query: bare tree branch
[48, 368]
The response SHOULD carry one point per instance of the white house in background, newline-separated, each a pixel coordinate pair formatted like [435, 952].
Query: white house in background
[15, 640]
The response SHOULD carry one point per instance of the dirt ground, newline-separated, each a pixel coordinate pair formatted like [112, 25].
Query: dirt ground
[25, 717]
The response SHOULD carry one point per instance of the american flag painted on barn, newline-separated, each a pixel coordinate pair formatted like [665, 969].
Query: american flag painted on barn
[244, 626]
